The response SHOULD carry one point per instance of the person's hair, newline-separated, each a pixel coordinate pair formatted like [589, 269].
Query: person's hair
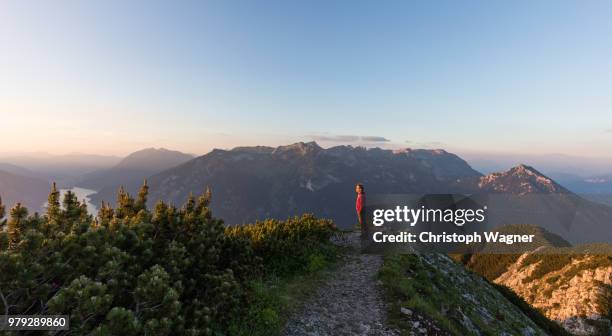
[360, 187]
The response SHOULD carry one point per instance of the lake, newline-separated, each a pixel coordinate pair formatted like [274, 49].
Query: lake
[83, 194]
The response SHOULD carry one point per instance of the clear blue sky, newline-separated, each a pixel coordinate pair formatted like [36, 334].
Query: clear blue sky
[111, 77]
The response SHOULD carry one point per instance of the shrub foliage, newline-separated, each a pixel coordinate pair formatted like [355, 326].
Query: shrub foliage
[133, 271]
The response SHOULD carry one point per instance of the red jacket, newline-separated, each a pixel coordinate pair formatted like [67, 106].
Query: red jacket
[360, 204]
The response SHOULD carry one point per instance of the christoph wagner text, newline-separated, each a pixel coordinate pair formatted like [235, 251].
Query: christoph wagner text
[413, 216]
[429, 237]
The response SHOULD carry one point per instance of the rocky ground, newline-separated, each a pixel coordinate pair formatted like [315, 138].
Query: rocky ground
[350, 303]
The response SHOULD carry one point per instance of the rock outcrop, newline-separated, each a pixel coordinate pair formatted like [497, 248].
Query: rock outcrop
[575, 290]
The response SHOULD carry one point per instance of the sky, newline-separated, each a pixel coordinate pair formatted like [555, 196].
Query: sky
[112, 77]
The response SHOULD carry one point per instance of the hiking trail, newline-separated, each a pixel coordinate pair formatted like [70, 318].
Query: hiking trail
[351, 302]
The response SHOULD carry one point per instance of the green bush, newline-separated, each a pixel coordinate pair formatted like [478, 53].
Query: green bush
[287, 246]
[490, 266]
[134, 271]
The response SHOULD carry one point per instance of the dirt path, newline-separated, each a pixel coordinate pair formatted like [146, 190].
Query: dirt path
[350, 303]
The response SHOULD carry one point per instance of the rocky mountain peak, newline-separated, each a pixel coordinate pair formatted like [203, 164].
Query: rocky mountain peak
[402, 150]
[299, 148]
[522, 179]
[254, 149]
[524, 169]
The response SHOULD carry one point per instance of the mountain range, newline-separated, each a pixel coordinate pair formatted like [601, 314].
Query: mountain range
[597, 188]
[29, 191]
[58, 168]
[130, 172]
[523, 195]
[253, 183]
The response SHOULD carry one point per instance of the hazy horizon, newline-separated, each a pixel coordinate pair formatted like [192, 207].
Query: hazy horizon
[324, 144]
[485, 162]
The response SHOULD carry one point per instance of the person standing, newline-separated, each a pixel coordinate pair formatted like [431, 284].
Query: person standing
[360, 205]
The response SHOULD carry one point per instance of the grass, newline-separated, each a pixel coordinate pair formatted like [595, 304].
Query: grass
[412, 283]
[275, 298]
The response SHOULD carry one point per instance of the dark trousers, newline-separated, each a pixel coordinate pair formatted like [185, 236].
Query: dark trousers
[362, 222]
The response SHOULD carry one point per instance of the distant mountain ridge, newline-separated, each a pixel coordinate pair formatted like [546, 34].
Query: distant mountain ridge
[59, 168]
[445, 166]
[130, 172]
[29, 191]
[18, 170]
[153, 159]
[593, 185]
[530, 197]
[251, 183]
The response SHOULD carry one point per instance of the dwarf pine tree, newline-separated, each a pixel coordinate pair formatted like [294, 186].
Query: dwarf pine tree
[71, 208]
[131, 271]
[53, 205]
[190, 204]
[15, 226]
[105, 214]
[125, 204]
[203, 202]
[83, 210]
[141, 201]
